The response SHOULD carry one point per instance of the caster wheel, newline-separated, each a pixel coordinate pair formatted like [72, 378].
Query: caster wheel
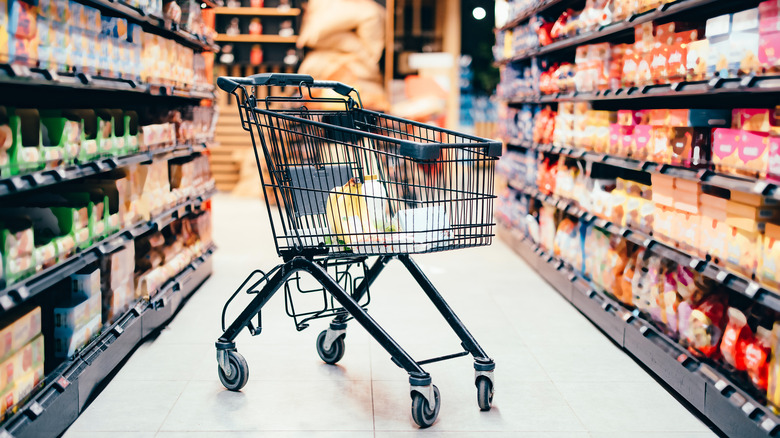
[334, 353]
[238, 373]
[484, 393]
[422, 413]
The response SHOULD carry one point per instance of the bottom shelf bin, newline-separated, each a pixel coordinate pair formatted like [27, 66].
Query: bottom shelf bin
[110, 350]
[676, 368]
[71, 386]
[52, 411]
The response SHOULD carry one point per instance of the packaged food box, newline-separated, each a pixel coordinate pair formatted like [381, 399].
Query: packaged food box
[718, 30]
[22, 362]
[77, 314]
[20, 332]
[714, 233]
[748, 217]
[742, 248]
[725, 146]
[69, 340]
[743, 43]
[85, 284]
[641, 139]
[770, 256]
[696, 56]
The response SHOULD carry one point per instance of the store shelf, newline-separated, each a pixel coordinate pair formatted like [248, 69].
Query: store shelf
[708, 177]
[732, 410]
[13, 295]
[530, 12]
[15, 75]
[716, 86]
[259, 12]
[735, 281]
[610, 30]
[21, 183]
[67, 390]
[149, 23]
[223, 38]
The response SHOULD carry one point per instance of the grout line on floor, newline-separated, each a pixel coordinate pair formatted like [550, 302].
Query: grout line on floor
[159, 429]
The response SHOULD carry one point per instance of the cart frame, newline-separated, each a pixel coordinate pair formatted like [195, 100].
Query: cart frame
[313, 259]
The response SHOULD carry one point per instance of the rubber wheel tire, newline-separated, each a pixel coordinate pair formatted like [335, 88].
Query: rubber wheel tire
[334, 353]
[239, 372]
[422, 414]
[484, 393]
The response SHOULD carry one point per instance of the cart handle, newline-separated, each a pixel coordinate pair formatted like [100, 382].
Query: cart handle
[230, 83]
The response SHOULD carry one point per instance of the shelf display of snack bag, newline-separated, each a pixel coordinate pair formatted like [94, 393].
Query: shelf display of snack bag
[641, 184]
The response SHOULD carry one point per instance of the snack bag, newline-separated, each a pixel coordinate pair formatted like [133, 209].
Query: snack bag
[735, 339]
[705, 326]
[757, 354]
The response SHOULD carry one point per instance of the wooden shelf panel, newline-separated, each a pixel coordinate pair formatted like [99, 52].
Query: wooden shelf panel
[260, 12]
[223, 38]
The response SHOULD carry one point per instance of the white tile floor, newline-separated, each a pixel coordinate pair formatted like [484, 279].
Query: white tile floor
[557, 375]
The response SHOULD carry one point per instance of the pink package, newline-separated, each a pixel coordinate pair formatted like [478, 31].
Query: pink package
[725, 143]
[769, 16]
[642, 136]
[774, 156]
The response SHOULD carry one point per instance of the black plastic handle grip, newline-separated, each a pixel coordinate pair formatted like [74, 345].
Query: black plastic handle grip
[229, 83]
[338, 87]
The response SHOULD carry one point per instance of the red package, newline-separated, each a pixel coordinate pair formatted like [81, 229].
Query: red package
[736, 337]
[705, 326]
[757, 353]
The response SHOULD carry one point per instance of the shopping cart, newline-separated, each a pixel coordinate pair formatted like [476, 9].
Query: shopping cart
[349, 184]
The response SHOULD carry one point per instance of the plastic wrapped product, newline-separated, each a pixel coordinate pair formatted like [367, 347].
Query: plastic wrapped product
[735, 339]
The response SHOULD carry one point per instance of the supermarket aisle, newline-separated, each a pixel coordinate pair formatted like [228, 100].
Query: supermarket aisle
[557, 375]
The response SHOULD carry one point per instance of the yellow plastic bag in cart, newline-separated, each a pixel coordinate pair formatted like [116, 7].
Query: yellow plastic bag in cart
[348, 214]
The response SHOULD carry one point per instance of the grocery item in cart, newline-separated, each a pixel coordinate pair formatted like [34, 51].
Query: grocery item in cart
[347, 213]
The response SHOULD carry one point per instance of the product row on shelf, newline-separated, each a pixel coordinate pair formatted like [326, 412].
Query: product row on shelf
[731, 332]
[734, 45]
[63, 36]
[740, 142]
[41, 229]
[594, 14]
[32, 140]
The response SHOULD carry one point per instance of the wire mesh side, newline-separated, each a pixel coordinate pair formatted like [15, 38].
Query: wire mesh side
[342, 191]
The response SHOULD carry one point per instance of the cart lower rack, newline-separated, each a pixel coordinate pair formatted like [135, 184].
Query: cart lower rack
[347, 185]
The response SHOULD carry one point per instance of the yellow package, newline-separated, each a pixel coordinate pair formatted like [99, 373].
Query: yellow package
[347, 213]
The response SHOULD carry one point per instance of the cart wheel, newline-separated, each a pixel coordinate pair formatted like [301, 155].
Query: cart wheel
[422, 413]
[334, 353]
[484, 393]
[238, 373]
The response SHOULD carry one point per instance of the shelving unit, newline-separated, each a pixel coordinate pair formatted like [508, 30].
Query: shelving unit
[67, 390]
[734, 406]
[70, 384]
[612, 30]
[770, 189]
[733, 410]
[150, 23]
[679, 90]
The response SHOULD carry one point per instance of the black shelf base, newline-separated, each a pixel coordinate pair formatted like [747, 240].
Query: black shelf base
[78, 381]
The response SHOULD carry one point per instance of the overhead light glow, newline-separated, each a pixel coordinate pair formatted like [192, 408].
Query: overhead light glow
[479, 13]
